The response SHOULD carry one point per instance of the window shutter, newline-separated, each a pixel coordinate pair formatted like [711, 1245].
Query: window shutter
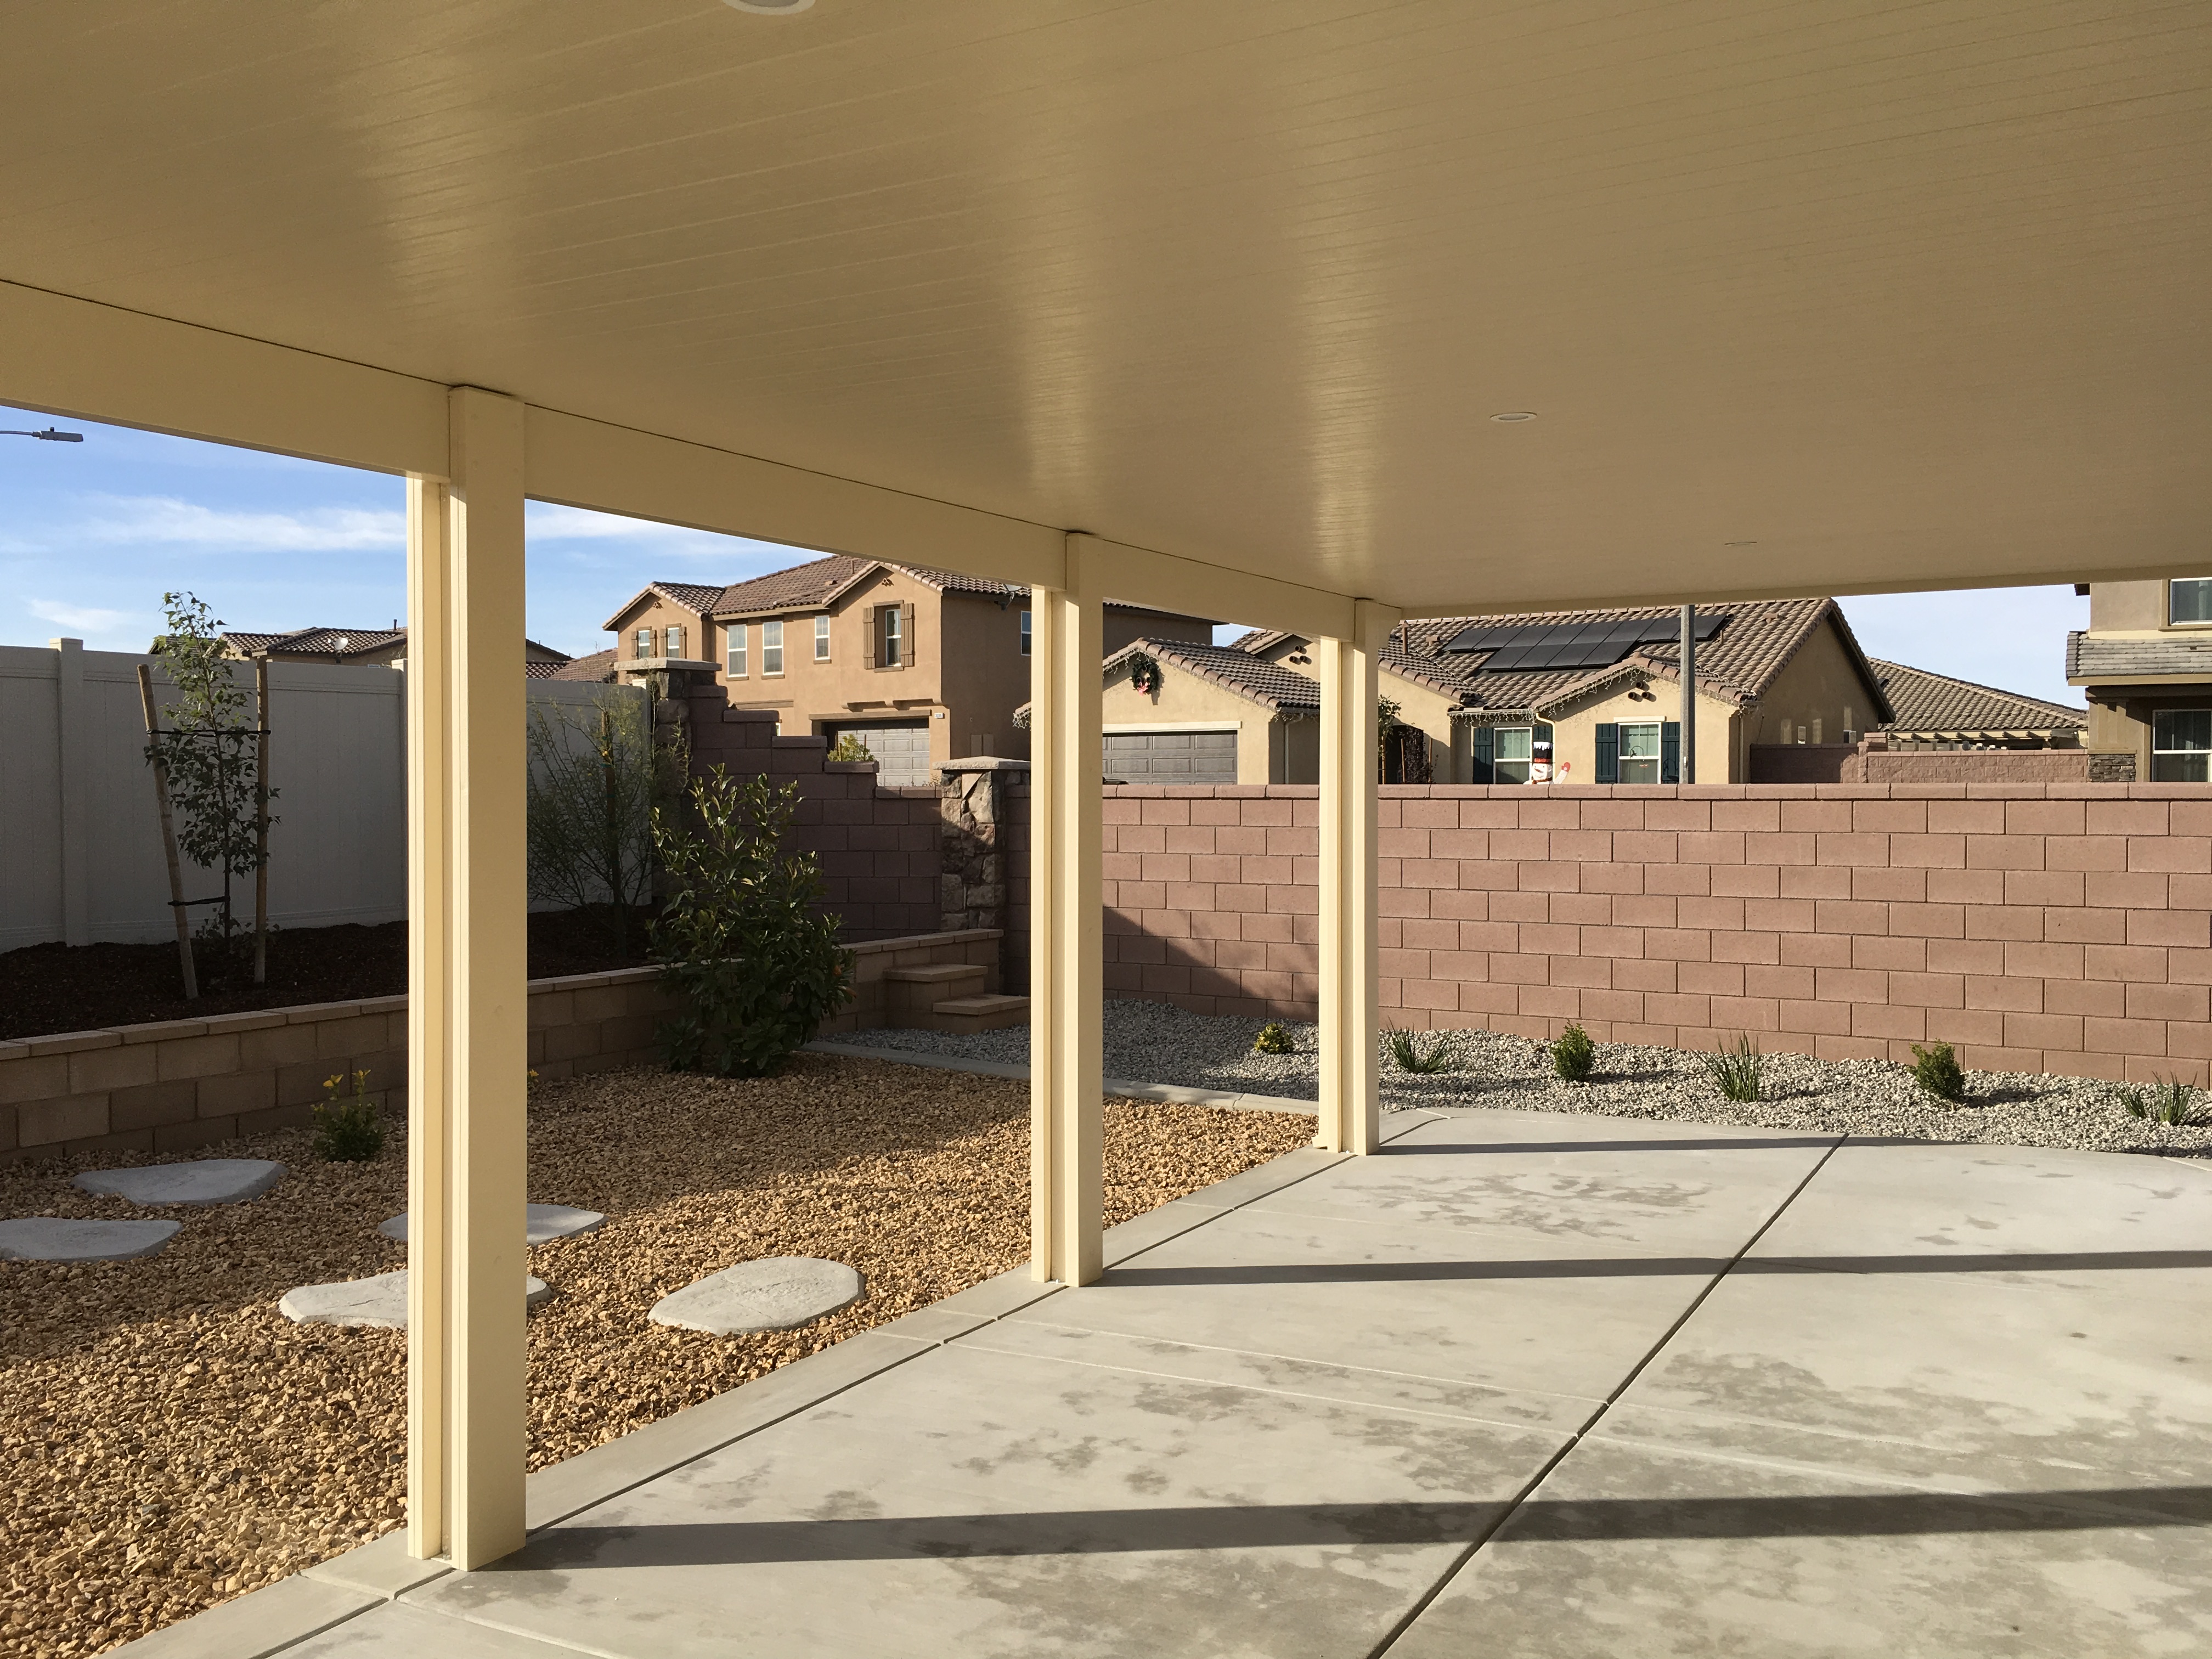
[873, 620]
[1608, 753]
[909, 639]
[1481, 745]
[1670, 752]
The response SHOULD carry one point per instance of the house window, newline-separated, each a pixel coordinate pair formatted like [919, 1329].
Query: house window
[771, 648]
[892, 654]
[1026, 633]
[1639, 751]
[675, 641]
[2181, 744]
[738, 651]
[822, 639]
[1510, 753]
[2189, 600]
[642, 642]
[1816, 728]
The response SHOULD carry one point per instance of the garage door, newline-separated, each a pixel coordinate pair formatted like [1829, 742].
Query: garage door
[902, 752]
[1171, 756]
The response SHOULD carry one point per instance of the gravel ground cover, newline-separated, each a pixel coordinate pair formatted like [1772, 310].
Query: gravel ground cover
[169, 1441]
[1156, 1042]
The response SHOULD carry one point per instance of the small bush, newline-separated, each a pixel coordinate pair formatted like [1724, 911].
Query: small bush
[1736, 1072]
[848, 747]
[753, 965]
[1417, 1051]
[349, 1129]
[2168, 1101]
[1936, 1070]
[1574, 1056]
[1273, 1039]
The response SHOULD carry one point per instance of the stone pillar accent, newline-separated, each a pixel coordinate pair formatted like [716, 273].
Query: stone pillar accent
[2115, 768]
[975, 825]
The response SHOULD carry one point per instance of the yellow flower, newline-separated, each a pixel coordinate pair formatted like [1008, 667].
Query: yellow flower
[333, 1082]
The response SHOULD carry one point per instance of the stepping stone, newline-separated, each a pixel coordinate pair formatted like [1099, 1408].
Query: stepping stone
[542, 1222]
[48, 1238]
[202, 1180]
[381, 1302]
[776, 1293]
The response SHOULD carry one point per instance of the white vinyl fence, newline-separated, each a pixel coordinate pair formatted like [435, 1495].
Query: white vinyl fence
[80, 857]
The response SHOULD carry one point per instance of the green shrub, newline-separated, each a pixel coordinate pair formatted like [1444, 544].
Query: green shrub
[1420, 1052]
[349, 1129]
[1736, 1071]
[2168, 1101]
[1574, 1056]
[1936, 1069]
[754, 968]
[596, 774]
[1273, 1039]
[848, 747]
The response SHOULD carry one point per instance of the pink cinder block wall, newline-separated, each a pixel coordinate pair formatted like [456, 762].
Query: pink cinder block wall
[2060, 927]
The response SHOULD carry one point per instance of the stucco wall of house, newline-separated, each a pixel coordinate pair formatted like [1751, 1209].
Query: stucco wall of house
[660, 613]
[1267, 749]
[1820, 684]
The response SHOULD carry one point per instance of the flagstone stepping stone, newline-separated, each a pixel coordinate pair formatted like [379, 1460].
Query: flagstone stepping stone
[542, 1222]
[380, 1302]
[201, 1180]
[776, 1293]
[49, 1238]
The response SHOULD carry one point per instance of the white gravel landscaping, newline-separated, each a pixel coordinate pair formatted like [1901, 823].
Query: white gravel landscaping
[1156, 1042]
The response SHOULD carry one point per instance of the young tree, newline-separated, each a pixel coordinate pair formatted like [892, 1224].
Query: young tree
[596, 776]
[210, 756]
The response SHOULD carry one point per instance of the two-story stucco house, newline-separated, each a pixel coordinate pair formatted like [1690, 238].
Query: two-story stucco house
[2145, 661]
[1588, 696]
[921, 666]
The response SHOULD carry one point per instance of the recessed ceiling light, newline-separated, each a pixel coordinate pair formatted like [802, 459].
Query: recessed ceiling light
[1512, 415]
[768, 8]
[1739, 544]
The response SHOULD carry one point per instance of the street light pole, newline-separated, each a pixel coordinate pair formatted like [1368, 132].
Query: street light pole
[50, 435]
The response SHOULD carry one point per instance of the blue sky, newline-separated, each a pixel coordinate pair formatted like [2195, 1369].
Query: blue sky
[92, 534]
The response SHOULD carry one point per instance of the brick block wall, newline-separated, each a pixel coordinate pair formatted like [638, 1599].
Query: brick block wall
[171, 1086]
[2037, 926]
[878, 848]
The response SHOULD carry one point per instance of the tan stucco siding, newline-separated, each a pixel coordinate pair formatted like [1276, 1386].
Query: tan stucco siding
[1185, 699]
[1430, 711]
[1821, 683]
[660, 613]
[1574, 729]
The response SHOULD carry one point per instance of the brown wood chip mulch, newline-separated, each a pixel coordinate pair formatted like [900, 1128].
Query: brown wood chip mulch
[169, 1441]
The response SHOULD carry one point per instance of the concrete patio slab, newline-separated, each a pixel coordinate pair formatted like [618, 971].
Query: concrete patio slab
[55, 1238]
[541, 1222]
[1519, 1385]
[378, 1303]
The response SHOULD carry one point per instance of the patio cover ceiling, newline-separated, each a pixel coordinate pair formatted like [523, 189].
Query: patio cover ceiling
[1829, 296]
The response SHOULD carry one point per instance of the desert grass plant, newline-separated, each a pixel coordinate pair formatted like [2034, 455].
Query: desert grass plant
[753, 964]
[1736, 1071]
[1419, 1051]
[596, 775]
[1936, 1070]
[1574, 1056]
[1275, 1038]
[2168, 1100]
[349, 1129]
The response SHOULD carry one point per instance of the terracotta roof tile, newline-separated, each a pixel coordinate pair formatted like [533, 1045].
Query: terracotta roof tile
[1937, 702]
[2092, 659]
[1269, 683]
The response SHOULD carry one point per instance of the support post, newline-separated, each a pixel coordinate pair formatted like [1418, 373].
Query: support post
[1351, 1092]
[1689, 693]
[1067, 929]
[467, 1418]
[159, 761]
[261, 822]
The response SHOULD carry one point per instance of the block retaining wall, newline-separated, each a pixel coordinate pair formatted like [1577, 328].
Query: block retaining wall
[2037, 926]
[179, 1083]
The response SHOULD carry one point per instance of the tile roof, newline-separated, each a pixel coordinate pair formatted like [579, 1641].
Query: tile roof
[1936, 702]
[2092, 661]
[1267, 683]
[1740, 660]
[599, 665]
[317, 642]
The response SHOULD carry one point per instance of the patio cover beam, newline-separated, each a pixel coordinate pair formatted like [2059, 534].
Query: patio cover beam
[467, 1403]
[1066, 930]
[1351, 1097]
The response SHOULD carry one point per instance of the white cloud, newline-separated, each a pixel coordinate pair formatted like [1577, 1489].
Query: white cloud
[546, 523]
[123, 520]
[86, 618]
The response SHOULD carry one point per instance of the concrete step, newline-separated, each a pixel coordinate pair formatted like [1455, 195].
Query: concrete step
[964, 1016]
[910, 994]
